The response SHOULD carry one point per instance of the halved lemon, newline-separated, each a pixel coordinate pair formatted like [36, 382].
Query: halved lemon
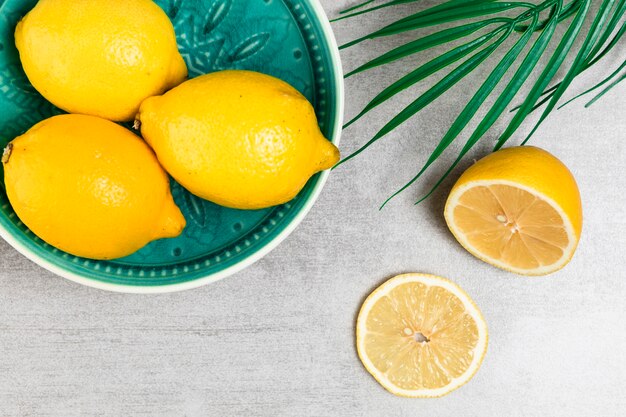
[518, 209]
[420, 336]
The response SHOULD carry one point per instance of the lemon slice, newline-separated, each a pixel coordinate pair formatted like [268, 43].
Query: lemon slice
[518, 209]
[420, 336]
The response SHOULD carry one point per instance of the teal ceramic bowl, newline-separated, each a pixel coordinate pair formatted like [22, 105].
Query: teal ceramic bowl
[289, 39]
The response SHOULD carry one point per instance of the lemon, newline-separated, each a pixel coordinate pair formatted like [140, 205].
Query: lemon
[421, 336]
[99, 57]
[89, 187]
[518, 209]
[238, 138]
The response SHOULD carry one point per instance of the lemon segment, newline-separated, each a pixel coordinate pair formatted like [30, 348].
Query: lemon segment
[99, 57]
[89, 187]
[421, 336]
[240, 139]
[518, 209]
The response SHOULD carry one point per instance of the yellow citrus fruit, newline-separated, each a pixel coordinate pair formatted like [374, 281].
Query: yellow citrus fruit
[518, 209]
[238, 138]
[421, 336]
[99, 57]
[89, 187]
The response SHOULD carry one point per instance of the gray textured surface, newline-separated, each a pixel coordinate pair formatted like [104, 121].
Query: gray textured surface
[278, 338]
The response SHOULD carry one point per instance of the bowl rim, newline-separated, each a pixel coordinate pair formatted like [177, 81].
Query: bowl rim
[322, 18]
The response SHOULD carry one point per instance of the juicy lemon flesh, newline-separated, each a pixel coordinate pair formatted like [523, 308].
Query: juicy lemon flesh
[518, 209]
[240, 139]
[512, 226]
[412, 312]
[89, 187]
[99, 57]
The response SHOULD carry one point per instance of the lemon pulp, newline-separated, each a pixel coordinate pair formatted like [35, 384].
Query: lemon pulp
[518, 209]
[420, 336]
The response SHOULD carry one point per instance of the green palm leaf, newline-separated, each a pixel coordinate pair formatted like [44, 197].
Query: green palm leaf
[589, 41]
[557, 59]
[472, 18]
[452, 12]
[434, 92]
[474, 104]
[607, 89]
[426, 70]
[450, 4]
[513, 87]
[598, 85]
[594, 56]
[445, 36]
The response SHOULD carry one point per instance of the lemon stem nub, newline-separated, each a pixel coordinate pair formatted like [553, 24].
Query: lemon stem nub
[329, 155]
[6, 154]
[137, 124]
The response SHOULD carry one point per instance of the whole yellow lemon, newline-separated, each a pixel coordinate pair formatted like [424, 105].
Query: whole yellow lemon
[89, 187]
[99, 57]
[238, 138]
